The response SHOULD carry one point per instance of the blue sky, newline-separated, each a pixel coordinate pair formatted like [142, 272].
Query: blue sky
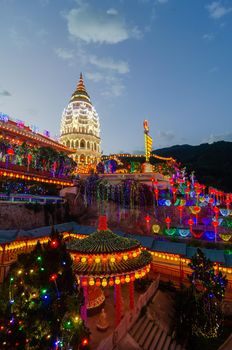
[168, 61]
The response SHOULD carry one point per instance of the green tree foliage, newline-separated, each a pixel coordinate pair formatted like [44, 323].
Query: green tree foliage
[212, 162]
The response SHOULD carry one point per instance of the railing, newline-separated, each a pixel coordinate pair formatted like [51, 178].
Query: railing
[30, 171]
[28, 198]
[129, 319]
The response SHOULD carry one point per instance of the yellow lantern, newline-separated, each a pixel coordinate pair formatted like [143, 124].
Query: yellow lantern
[97, 260]
[104, 282]
[83, 260]
[125, 257]
[112, 259]
[127, 278]
[117, 280]
[134, 255]
[91, 282]
[137, 275]
[156, 228]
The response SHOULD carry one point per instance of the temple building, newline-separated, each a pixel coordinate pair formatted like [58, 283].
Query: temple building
[80, 127]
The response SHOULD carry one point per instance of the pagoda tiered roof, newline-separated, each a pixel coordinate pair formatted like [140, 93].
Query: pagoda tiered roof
[104, 254]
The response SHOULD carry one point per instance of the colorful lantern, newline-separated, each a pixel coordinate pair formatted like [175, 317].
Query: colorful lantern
[168, 222]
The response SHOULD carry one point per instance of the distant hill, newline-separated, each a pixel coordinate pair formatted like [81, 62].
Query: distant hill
[212, 163]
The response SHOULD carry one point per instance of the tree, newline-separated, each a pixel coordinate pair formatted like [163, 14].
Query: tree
[41, 301]
[208, 290]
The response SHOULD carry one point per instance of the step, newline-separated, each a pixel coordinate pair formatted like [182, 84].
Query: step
[146, 333]
[136, 326]
[172, 345]
[167, 343]
[150, 337]
[162, 341]
[141, 330]
[155, 340]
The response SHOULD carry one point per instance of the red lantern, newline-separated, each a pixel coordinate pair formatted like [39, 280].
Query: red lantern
[84, 282]
[122, 279]
[180, 208]
[132, 277]
[227, 201]
[10, 151]
[111, 282]
[190, 222]
[215, 224]
[211, 201]
[187, 192]
[196, 211]
[216, 212]
[147, 218]
[168, 222]
[197, 233]
[156, 191]
[98, 282]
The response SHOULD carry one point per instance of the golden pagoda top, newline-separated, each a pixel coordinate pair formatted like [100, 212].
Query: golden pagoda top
[80, 93]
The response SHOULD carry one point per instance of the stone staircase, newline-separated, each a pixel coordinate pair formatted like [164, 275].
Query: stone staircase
[150, 336]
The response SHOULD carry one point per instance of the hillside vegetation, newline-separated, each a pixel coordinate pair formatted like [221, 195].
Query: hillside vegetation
[212, 163]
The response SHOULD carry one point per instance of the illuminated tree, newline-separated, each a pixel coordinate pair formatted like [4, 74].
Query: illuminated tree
[208, 292]
[41, 301]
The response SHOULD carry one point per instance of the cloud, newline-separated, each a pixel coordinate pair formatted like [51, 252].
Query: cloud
[208, 37]
[94, 76]
[5, 93]
[64, 54]
[108, 63]
[166, 135]
[112, 12]
[217, 10]
[92, 26]
[113, 86]
[223, 137]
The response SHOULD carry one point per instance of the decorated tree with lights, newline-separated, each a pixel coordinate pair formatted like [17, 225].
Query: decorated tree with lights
[40, 301]
[208, 290]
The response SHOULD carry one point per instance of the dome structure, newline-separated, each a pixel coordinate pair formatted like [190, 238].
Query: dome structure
[80, 127]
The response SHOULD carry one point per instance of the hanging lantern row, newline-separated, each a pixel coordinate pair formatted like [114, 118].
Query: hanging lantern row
[34, 178]
[30, 243]
[110, 281]
[104, 258]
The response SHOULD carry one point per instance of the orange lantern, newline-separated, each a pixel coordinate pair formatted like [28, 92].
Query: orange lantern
[98, 282]
[111, 282]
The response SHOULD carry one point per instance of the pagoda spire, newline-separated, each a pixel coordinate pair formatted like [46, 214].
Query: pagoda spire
[80, 94]
[81, 84]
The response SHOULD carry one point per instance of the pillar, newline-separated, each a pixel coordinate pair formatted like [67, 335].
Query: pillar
[84, 307]
[132, 300]
[118, 306]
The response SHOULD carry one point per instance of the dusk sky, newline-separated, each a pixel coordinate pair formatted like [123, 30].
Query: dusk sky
[168, 61]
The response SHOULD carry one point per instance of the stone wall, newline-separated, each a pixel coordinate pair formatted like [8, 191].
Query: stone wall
[26, 216]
